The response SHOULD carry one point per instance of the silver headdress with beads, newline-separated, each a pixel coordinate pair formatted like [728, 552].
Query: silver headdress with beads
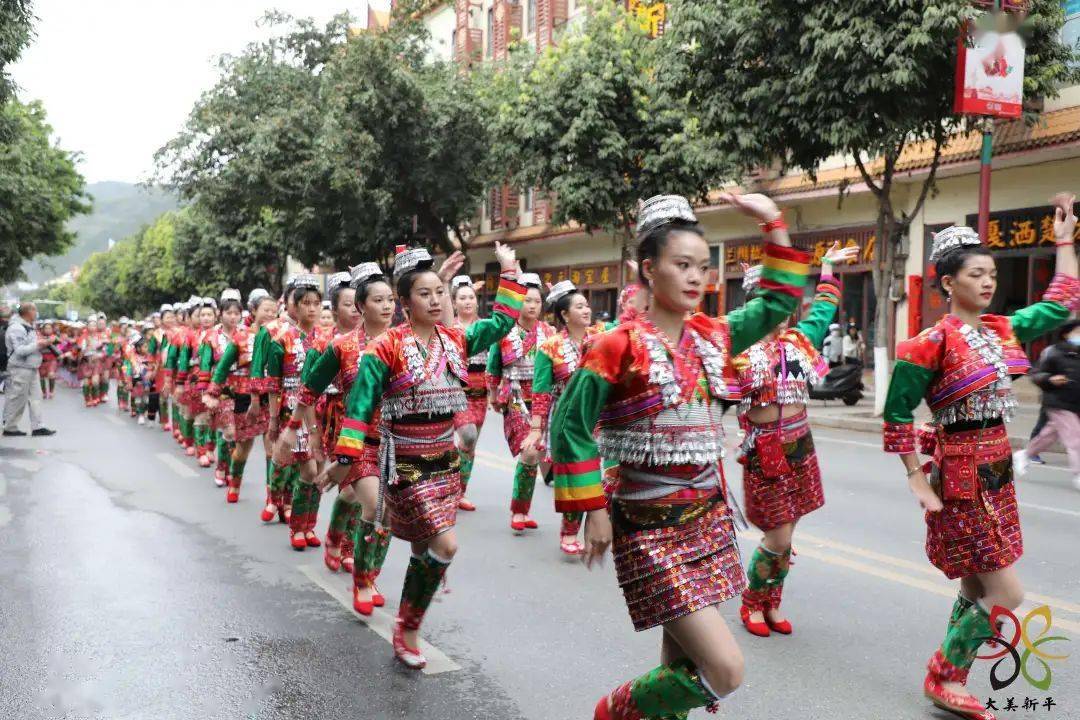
[412, 259]
[230, 294]
[560, 290]
[661, 209]
[951, 238]
[165, 308]
[256, 295]
[337, 280]
[460, 281]
[530, 280]
[360, 274]
[305, 280]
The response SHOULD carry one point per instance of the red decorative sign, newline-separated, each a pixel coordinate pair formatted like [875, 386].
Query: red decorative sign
[989, 73]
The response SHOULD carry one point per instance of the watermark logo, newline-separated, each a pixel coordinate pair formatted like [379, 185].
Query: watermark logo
[1026, 652]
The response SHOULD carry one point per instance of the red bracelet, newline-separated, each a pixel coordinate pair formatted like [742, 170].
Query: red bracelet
[777, 224]
[1063, 244]
[294, 424]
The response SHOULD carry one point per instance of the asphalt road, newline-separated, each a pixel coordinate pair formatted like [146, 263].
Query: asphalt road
[129, 589]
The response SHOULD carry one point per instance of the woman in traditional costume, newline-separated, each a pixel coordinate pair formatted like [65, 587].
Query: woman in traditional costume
[963, 368]
[353, 541]
[467, 424]
[556, 360]
[50, 360]
[651, 389]
[414, 376]
[781, 478]
[215, 342]
[510, 379]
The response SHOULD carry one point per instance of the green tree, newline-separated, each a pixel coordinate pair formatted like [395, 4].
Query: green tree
[40, 189]
[97, 282]
[586, 122]
[799, 81]
[16, 29]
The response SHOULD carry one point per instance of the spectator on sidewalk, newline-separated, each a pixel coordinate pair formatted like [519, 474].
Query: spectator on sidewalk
[5, 316]
[1040, 422]
[853, 346]
[1058, 374]
[833, 347]
[23, 349]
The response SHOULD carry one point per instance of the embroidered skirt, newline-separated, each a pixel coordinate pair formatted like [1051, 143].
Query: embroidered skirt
[776, 497]
[191, 398]
[330, 411]
[516, 424]
[978, 530]
[221, 417]
[423, 502]
[476, 413]
[674, 555]
[246, 426]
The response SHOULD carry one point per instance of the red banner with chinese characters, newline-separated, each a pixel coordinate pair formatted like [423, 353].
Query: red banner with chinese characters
[1020, 229]
[817, 243]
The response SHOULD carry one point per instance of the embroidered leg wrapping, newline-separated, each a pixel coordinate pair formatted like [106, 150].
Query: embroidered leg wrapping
[86, 395]
[370, 546]
[958, 609]
[352, 518]
[781, 567]
[275, 484]
[663, 692]
[305, 507]
[759, 573]
[466, 469]
[236, 471]
[571, 523]
[953, 659]
[524, 483]
[339, 520]
[422, 579]
[222, 453]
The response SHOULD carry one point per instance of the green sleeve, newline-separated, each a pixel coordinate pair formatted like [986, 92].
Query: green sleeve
[487, 332]
[228, 359]
[364, 397]
[206, 358]
[494, 367]
[758, 318]
[322, 371]
[183, 362]
[1038, 319]
[275, 359]
[172, 358]
[574, 452]
[152, 346]
[542, 373]
[259, 353]
[815, 326]
[907, 387]
[309, 359]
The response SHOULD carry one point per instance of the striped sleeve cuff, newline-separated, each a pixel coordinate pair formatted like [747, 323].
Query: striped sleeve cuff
[828, 290]
[351, 439]
[578, 487]
[1064, 290]
[899, 437]
[509, 298]
[784, 270]
[541, 406]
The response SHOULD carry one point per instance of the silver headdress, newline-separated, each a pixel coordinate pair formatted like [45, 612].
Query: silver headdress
[951, 238]
[208, 302]
[661, 209]
[459, 281]
[360, 274]
[230, 294]
[256, 295]
[411, 259]
[326, 305]
[305, 280]
[751, 279]
[124, 320]
[560, 290]
[337, 280]
[530, 280]
[165, 308]
[194, 301]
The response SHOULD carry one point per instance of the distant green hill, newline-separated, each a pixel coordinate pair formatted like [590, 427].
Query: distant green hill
[120, 209]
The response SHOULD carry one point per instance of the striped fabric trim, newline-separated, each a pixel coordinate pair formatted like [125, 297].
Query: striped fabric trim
[351, 439]
[828, 291]
[509, 298]
[577, 486]
[784, 269]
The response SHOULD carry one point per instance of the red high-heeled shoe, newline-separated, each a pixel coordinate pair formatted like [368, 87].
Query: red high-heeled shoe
[268, 513]
[781, 626]
[410, 657]
[364, 607]
[232, 495]
[333, 563]
[377, 598]
[760, 629]
[530, 523]
[298, 542]
[312, 539]
[347, 563]
[602, 711]
[204, 461]
[517, 525]
[189, 450]
[966, 706]
[465, 505]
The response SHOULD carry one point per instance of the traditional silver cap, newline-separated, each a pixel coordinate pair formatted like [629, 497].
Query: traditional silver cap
[951, 238]
[662, 209]
[560, 290]
[257, 295]
[230, 294]
[337, 280]
[412, 259]
[459, 281]
[194, 301]
[165, 308]
[530, 280]
[326, 305]
[751, 279]
[306, 280]
[360, 274]
[124, 320]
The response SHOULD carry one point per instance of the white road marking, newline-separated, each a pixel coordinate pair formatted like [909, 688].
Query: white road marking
[1047, 508]
[176, 465]
[381, 622]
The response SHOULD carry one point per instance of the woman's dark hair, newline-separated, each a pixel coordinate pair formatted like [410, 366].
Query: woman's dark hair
[453, 295]
[302, 292]
[406, 282]
[951, 262]
[562, 305]
[229, 304]
[651, 243]
[852, 329]
[364, 288]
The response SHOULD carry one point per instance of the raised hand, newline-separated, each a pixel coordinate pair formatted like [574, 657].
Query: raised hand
[451, 265]
[507, 257]
[1064, 218]
[837, 254]
[758, 206]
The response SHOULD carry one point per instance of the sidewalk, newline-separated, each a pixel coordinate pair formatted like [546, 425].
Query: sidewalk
[834, 414]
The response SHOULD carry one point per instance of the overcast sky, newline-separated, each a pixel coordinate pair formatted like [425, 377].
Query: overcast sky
[118, 77]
